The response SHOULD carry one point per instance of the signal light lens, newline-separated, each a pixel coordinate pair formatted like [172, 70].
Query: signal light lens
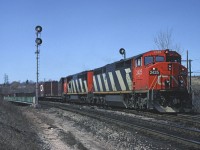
[38, 29]
[122, 51]
[38, 41]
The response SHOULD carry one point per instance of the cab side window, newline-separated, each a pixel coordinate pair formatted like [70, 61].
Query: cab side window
[138, 62]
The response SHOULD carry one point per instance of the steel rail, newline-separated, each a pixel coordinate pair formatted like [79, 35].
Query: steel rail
[179, 117]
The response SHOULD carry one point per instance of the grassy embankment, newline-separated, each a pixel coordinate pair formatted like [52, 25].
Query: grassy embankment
[15, 129]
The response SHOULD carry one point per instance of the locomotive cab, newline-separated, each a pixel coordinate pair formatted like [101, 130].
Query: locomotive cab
[166, 81]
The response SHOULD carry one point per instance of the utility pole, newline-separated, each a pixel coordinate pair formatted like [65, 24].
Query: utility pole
[188, 86]
[189, 75]
[6, 79]
[38, 42]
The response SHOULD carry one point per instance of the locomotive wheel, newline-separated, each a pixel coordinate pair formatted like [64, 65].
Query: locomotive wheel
[142, 102]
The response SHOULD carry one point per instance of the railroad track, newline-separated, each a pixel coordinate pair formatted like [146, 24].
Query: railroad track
[177, 134]
[188, 120]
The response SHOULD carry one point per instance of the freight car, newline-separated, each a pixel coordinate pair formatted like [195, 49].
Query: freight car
[152, 80]
[50, 90]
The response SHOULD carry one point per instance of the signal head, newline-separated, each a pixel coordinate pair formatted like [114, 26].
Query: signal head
[122, 51]
[38, 41]
[38, 29]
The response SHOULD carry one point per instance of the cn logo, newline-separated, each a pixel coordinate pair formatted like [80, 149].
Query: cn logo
[139, 72]
[161, 78]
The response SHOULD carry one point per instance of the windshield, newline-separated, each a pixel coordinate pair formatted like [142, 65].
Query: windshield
[173, 59]
[148, 60]
[153, 59]
[160, 59]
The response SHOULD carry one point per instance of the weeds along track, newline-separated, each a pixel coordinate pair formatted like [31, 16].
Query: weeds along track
[177, 134]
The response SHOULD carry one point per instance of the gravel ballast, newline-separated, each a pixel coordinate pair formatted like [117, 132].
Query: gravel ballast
[51, 128]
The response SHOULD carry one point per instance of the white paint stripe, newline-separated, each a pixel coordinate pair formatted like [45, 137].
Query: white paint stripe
[73, 84]
[128, 78]
[95, 84]
[105, 82]
[81, 84]
[174, 79]
[121, 81]
[100, 83]
[85, 85]
[112, 81]
[78, 90]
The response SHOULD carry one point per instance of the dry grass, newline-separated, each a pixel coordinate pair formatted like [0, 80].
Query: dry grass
[196, 91]
[196, 85]
[15, 129]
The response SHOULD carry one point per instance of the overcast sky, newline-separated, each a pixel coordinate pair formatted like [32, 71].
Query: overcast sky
[85, 34]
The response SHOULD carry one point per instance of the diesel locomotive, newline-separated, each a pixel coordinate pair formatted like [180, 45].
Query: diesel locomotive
[152, 80]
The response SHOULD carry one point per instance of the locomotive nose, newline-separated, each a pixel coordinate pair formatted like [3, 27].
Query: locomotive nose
[169, 76]
[178, 75]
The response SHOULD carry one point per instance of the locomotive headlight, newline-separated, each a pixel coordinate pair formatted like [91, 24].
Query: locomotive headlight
[153, 68]
[169, 67]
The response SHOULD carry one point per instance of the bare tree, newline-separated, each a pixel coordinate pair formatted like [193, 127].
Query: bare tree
[164, 40]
